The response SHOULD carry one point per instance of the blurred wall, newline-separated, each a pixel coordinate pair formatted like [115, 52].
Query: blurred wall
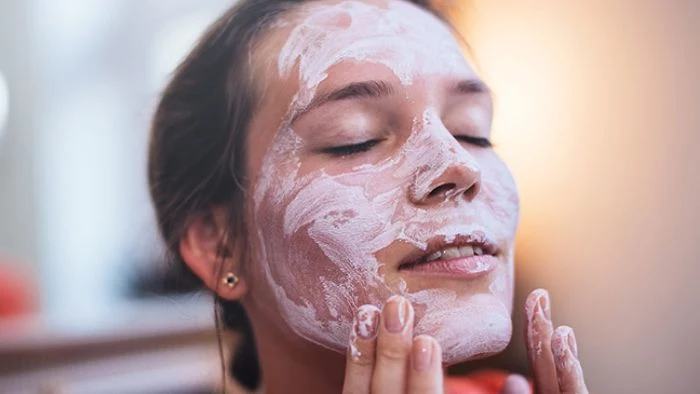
[84, 76]
[598, 115]
[17, 213]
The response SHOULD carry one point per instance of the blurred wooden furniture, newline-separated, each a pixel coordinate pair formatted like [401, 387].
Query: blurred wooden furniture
[164, 346]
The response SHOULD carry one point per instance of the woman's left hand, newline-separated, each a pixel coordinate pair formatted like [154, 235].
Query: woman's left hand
[553, 353]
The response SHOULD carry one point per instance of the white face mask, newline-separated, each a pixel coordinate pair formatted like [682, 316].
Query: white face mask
[327, 238]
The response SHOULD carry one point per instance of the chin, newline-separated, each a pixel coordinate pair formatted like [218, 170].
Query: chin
[469, 330]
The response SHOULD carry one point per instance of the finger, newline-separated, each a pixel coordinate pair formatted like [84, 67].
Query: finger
[539, 338]
[569, 371]
[425, 376]
[393, 347]
[516, 384]
[360, 357]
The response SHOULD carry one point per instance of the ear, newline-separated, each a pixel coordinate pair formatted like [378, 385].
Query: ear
[207, 250]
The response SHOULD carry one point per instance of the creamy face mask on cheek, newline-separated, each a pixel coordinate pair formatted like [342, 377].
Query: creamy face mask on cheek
[318, 234]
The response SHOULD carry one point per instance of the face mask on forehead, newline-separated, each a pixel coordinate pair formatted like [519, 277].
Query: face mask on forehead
[401, 37]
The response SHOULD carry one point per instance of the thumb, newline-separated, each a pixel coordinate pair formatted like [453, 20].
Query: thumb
[516, 384]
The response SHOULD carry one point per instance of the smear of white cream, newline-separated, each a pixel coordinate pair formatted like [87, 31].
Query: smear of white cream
[367, 33]
[364, 326]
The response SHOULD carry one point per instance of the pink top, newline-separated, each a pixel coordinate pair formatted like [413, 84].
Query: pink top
[481, 382]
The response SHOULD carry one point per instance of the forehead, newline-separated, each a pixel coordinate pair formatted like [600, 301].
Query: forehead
[308, 41]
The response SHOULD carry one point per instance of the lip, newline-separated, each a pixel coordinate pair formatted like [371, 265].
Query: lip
[460, 267]
[463, 267]
[435, 244]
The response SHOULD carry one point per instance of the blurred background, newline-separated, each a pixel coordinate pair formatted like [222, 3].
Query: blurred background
[78, 245]
[598, 116]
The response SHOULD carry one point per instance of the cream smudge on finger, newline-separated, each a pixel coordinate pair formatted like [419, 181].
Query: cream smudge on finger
[364, 327]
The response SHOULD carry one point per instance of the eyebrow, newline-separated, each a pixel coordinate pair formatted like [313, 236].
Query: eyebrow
[471, 86]
[354, 90]
[378, 89]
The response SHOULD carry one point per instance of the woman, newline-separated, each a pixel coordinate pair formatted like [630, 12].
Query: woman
[327, 163]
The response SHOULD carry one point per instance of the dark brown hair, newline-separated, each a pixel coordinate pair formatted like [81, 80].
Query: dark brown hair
[197, 149]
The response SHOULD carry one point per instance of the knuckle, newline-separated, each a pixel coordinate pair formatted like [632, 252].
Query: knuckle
[392, 352]
[362, 360]
[360, 356]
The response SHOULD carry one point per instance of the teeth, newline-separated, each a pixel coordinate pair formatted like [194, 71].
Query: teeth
[455, 252]
[450, 253]
[466, 251]
[435, 256]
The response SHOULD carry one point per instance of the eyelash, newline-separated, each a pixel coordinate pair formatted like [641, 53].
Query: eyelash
[476, 141]
[349, 150]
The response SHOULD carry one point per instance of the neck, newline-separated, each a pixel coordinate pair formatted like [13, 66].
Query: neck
[291, 365]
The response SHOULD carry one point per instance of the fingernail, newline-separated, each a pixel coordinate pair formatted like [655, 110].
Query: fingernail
[571, 339]
[366, 321]
[395, 314]
[515, 384]
[561, 342]
[422, 353]
[543, 302]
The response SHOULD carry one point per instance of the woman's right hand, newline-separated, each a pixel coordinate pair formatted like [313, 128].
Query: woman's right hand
[385, 358]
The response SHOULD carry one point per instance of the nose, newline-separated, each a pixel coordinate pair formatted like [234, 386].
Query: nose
[434, 184]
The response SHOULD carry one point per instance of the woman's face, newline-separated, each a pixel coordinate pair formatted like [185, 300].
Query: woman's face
[370, 178]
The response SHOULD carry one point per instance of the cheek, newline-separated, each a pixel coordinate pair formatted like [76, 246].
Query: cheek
[499, 193]
[317, 241]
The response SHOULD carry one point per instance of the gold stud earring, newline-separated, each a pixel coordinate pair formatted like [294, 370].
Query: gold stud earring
[230, 280]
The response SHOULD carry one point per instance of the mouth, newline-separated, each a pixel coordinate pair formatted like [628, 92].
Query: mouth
[464, 256]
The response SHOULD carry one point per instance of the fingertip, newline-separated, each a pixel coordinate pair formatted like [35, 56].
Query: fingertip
[516, 384]
[541, 291]
[561, 342]
[426, 365]
[423, 353]
[538, 327]
[537, 293]
[537, 298]
[397, 315]
[366, 321]
[569, 371]
[427, 339]
[364, 333]
[558, 348]
[438, 352]
[564, 330]
[423, 338]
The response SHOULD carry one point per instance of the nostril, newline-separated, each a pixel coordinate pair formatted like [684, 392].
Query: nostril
[442, 189]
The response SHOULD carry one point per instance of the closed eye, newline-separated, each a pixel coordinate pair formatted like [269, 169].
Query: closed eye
[476, 141]
[349, 150]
